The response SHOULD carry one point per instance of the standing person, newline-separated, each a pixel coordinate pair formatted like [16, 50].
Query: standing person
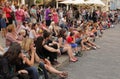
[8, 11]
[55, 17]
[48, 15]
[19, 14]
[94, 16]
[61, 13]
[3, 21]
[26, 15]
[1, 12]
[33, 14]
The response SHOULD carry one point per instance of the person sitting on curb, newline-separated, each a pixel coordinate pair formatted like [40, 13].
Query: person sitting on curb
[32, 57]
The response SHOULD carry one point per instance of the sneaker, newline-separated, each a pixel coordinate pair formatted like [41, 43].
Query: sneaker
[80, 54]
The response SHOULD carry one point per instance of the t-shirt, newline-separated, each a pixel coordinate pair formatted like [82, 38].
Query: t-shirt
[48, 17]
[69, 39]
[7, 11]
[33, 11]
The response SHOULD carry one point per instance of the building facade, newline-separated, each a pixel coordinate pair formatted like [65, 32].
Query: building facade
[114, 4]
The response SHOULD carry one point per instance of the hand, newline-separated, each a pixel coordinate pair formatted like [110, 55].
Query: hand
[46, 61]
[33, 49]
[58, 51]
[7, 21]
[23, 72]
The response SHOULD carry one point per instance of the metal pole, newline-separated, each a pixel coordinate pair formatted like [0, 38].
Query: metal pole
[56, 3]
[43, 3]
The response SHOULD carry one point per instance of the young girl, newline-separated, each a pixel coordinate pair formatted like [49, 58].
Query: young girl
[71, 40]
[21, 35]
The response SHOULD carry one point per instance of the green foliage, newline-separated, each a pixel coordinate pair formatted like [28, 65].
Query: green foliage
[38, 1]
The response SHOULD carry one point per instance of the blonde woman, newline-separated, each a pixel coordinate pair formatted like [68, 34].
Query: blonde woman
[31, 57]
[54, 29]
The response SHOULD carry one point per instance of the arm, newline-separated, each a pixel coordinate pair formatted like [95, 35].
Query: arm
[12, 39]
[51, 49]
[30, 62]
[73, 39]
[37, 58]
[1, 49]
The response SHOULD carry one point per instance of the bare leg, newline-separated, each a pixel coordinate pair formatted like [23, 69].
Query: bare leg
[53, 70]
[69, 51]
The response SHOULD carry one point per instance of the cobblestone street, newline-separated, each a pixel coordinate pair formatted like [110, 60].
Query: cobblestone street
[103, 63]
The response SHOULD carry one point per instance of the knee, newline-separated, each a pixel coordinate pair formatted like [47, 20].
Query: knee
[33, 70]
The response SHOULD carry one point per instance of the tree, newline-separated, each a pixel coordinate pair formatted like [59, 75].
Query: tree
[38, 1]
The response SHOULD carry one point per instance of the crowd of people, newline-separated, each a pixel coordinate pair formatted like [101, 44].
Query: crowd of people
[41, 35]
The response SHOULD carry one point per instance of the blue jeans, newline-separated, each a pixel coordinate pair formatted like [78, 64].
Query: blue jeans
[33, 72]
[42, 66]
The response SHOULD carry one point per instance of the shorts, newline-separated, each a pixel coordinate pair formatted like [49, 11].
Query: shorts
[74, 45]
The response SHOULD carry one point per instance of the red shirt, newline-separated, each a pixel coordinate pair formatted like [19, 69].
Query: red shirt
[7, 11]
[69, 39]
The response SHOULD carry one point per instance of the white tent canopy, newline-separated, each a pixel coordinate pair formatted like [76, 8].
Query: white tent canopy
[73, 2]
[95, 2]
[68, 2]
[78, 2]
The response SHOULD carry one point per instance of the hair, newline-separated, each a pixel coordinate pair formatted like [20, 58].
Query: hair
[11, 28]
[13, 52]
[46, 34]
[38, 43]
[43, 21]
[22, 32]
[26, 44]
[17, 7]
[25, 22]
[33, 5]
[33, 26]
[72, 33]
[40, 31]
[1, 16]
[61, 33]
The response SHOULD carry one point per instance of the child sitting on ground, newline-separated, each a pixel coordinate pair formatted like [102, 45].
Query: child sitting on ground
[71, 40]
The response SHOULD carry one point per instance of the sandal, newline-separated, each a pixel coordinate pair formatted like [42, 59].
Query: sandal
[73, 60]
